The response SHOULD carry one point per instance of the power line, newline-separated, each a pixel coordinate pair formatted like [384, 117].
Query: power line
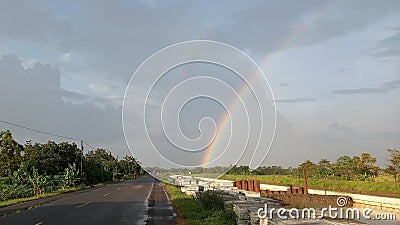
[48, 133]
[88, 145]
[39, 131]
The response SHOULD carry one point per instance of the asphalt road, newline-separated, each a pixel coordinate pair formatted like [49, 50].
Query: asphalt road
[140, 201]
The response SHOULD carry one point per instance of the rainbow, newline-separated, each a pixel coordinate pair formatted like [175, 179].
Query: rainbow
[265, 62]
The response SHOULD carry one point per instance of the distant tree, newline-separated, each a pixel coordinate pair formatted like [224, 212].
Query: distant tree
[239, 170]
[366, 165]
[129, 166]
[324, 169]
[271, 170]
[10, 154]
[393, 168]
[344, 167]
[309, 166]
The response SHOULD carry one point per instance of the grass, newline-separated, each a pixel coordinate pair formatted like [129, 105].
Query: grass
[21, 200]
[57, 192]
[381, 186]
[193, 213]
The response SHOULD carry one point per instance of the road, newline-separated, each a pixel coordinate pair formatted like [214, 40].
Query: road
[139, 201]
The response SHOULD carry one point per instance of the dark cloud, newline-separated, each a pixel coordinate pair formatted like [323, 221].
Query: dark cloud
[115, 37]
[294, 100]
[33, 97]
[277, 25]
[385, 87]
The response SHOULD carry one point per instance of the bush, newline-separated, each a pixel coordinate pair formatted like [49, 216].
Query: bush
[227, 217]
[12, 191]
[210, 200]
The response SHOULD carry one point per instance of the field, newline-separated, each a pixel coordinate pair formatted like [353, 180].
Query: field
[380, 186]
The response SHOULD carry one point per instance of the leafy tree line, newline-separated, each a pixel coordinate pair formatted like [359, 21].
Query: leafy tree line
[196, 170]
[33, 169]
[345, 168]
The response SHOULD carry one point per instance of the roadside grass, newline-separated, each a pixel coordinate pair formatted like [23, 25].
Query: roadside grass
[381, 186]
[57, 192]
[193, 213]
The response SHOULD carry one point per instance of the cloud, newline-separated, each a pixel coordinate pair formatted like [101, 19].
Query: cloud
[73, 95]
[295, 100]
[33, 97]
[284, 84]
[299, 24]
[385, 87]
[335, 126]
[387, 47]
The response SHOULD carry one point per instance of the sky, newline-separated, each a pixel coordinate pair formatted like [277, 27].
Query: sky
[333, 68]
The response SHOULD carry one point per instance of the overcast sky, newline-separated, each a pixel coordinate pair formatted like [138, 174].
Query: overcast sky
[333, 67]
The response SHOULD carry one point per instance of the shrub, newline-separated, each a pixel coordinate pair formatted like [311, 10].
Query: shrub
[8, 192]
[210, 200]
[227, 217]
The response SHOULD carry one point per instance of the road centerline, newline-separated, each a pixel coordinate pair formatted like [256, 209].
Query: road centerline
[82, 205]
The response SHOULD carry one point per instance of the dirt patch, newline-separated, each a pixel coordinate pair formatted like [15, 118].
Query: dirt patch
[309, 201]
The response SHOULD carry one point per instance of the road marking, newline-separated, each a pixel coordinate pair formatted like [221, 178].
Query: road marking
[39, 223]
[82, 205]
[106, 194]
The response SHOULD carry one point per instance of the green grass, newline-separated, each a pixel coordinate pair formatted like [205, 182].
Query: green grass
[382, 186]
[193, 214]
[20, 200]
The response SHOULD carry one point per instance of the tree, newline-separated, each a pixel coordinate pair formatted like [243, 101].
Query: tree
[51, 158]
[393, 168]
[366, 165]
[10, 154]
[271, 170]
[310, 168]
[38, 181]
[129, 166]
[70, 176]
[239, 170]
[324, 169]
[344, 167]
[99, 166]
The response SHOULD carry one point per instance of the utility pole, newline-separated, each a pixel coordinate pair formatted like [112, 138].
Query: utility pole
[81, 156]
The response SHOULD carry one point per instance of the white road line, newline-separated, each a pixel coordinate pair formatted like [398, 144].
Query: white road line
[148, 195]
[82, 205]
[39, 223]
[106, 194]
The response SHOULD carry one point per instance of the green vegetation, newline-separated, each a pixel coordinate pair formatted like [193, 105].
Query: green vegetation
[394, 163]
[384, 187]
[37, 170]
[206, 208]
[20, 200]
[357, 174]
